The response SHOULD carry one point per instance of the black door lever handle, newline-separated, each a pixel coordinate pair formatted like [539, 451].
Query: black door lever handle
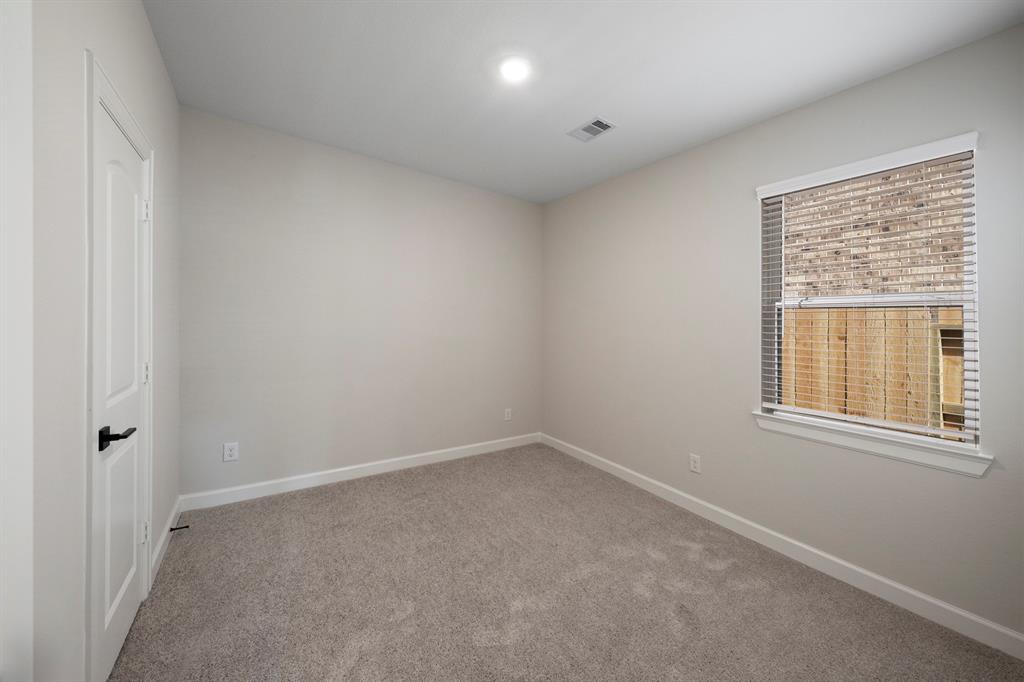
[106, 437]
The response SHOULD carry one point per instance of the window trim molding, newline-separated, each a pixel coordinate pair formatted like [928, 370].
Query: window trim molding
[965, 459]
[923, 450]
[876, 164]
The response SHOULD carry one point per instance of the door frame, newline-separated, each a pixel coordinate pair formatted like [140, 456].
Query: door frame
[99, 90]
[16, 336]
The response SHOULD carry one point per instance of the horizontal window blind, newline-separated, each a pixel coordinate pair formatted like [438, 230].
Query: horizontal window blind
[869, 309]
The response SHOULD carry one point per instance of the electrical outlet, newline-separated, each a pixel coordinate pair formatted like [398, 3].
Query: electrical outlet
[230, 452]
[694, 463]
[508, 414]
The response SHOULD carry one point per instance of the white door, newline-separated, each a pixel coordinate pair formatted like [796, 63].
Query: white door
[117, 550]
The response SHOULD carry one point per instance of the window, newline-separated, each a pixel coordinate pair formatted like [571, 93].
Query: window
[869, 306]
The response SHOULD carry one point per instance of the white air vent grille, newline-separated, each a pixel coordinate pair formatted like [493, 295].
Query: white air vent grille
[591, 129]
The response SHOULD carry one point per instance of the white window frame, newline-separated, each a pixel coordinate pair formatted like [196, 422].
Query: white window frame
[927, 451]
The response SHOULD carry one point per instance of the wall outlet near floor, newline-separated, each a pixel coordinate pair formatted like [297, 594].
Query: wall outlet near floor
[508, 414]
[230, 452]
[694, 463]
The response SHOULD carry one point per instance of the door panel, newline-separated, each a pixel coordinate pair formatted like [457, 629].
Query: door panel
[120, 183]
[121, 561]
[122, 282]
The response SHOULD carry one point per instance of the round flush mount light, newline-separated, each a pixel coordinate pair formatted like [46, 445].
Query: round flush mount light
[515, 70]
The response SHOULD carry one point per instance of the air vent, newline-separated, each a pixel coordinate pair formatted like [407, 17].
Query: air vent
[591, 129]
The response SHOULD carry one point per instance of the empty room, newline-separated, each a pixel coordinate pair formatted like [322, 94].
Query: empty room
[490, 340]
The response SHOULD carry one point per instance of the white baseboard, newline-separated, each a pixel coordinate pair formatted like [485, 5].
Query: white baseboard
[943, 613]
[160, 548]
[213, 498]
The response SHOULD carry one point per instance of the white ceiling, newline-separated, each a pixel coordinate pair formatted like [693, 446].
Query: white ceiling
[416, 82]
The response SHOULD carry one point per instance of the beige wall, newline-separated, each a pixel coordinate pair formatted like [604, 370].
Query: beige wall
[16, 315]
[338, 310]
[119, 35]
[651, 333]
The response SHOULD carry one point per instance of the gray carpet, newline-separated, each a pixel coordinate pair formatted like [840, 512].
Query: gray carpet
[518, 564]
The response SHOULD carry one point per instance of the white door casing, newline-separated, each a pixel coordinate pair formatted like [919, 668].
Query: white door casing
[120, 190]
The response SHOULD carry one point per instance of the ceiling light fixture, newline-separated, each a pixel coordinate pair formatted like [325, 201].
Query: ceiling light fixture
[515, 69]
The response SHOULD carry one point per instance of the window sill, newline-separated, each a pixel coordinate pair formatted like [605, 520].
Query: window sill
[955, 457]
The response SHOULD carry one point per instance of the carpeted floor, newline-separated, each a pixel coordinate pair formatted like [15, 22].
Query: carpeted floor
[519, 564]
